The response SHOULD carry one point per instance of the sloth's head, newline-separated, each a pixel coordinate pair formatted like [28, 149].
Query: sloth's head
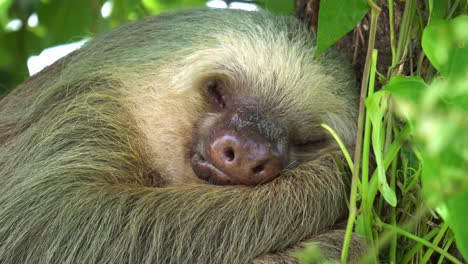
[234, 98]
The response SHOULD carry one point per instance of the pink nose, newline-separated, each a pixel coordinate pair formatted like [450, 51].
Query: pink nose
[247, 160]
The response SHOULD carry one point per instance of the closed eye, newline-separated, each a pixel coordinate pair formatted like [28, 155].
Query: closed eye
[311, 145]
[213, 91]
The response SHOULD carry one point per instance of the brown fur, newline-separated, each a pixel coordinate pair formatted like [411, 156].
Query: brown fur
[94, 164]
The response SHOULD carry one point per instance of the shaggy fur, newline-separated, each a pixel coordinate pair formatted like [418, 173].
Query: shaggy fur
[94, 164]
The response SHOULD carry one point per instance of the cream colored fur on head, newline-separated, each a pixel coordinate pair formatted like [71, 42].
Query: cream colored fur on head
[272, 60]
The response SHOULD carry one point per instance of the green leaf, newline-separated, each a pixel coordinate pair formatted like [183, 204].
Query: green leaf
[336, 18]
[4, 7]
[445, 184]
[67, 21]
[407, 92]
[438, 9]
[442, 137]
[376, 108]
[15, 59]
[124, 11]
[445, 43]
[359, 226]
[408, 88]
[441, 126]
[310, 254]
[279, 7]
[456, 218]
[12, 61]
[156, 7]
[6, 55]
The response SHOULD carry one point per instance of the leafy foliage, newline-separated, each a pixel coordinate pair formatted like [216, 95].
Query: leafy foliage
[429, 173]
[61, 22]
[336, 18]
[280, 7]
[438, 114]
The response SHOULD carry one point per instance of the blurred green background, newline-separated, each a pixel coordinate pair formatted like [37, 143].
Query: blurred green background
[27, 27]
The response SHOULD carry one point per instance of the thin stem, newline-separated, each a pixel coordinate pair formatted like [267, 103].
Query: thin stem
[375, 11]
[409, 255]
[373, 6]
[390, 155]
[436, 241]
[405, 26]
[393, 243]
[341, 145]
[392, 32]
[367, 210]
[446, 248]
[389, 125]
[420, 62]
[452, 10]
[385, 237]
[421, 241]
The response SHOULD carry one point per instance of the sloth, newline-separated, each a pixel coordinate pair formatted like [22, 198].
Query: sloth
[191, 137]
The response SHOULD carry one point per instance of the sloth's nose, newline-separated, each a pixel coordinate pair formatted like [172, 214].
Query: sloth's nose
[245, 158]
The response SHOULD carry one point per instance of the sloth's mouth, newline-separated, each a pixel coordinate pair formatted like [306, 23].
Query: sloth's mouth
[208, 172]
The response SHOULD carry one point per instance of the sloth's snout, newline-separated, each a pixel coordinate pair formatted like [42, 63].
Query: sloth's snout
[241, 157]
[245, 160]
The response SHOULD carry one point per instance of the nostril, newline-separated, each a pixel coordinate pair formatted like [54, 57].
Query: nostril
[242, 157]
[229, 155]
[258, 169]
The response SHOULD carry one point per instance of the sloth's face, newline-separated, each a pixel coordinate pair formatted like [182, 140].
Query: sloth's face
[243, 139]
[242, 110]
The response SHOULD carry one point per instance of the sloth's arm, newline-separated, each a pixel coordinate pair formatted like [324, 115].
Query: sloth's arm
[69, 216]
